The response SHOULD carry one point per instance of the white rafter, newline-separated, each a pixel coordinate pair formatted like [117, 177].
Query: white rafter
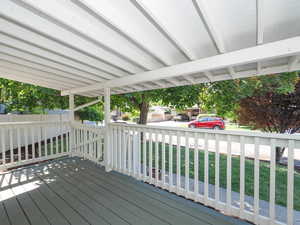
[41, 67]
[162, 29]
[97, 14]
[39, 73]
[259, 28]
[283, 48]
[80, 33]
[18, 14]
[211, 29]
[87, 104]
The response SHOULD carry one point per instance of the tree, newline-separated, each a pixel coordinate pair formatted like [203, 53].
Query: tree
[177, 97]
[27, 98]
[272, 112]
[223, 97]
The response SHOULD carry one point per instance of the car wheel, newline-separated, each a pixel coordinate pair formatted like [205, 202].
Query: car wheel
[192, 126]
[217, 128]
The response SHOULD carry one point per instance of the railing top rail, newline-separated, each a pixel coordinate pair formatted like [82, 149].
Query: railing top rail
[2, 124]
[222, 132]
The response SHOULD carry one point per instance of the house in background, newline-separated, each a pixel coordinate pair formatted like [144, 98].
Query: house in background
[160, 113]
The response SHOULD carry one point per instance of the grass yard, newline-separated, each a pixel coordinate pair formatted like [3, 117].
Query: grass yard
[264, 179]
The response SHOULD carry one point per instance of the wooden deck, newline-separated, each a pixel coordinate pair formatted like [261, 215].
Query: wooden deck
[77, 192]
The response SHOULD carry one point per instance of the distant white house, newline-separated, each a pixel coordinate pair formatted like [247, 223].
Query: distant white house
[160, 113]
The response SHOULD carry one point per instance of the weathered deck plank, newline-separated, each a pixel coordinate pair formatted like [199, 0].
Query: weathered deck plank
[3, 216]
[74, 191]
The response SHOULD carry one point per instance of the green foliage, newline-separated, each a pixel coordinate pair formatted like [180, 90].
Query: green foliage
[92, 113]
[26, 98]
[223, 97]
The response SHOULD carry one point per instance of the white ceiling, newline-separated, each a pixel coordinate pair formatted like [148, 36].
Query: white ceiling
[68, 44]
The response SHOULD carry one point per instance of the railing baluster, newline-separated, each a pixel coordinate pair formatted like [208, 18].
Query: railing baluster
[171, 137]
[51, 144]
[144, 155]
[129, 152]
[217, 169]
[206, 169]
[61, 139]
[178, 164]
[45, 142]
[196, 166]
[119, 132]
[115, 146]
[272, 180]
[124, 147]
[187, 164]
[163, 161]
[134, 152]
[256, 179]
[40, 141]
[26, 135]
[3, 146]
[68, 140]
[290, 183]
[139, 136]
[228, 180]
[150, 156]
[156, 159]
[242, 176]
[19, 144]
[33, 142]
[11, 145]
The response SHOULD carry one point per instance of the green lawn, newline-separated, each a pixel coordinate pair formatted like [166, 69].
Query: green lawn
[281, 174]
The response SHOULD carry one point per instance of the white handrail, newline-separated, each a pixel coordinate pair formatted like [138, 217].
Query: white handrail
[180, 159]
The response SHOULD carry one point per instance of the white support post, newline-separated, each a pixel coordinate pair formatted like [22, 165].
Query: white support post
[107, 152]
[71, 118]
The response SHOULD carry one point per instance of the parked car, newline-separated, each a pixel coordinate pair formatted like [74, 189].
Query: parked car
[181, 117]
[208, 122]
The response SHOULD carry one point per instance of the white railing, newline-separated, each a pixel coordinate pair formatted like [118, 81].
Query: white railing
[234, 172]
[29, 142]
[88, 142]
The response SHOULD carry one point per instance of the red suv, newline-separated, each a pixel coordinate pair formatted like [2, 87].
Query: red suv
[208, 122]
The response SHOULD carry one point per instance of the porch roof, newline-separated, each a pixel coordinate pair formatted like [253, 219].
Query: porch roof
[81, 46]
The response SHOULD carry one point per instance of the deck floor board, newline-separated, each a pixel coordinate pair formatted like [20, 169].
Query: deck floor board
[77, 192]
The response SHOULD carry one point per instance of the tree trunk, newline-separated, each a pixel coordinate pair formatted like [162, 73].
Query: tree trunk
[279, 153]
[144, 109]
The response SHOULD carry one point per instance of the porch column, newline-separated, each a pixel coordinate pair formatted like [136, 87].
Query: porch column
[71, 118]
[107, 146]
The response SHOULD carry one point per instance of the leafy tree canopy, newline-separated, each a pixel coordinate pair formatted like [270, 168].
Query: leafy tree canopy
[177, 97]
[223, 97]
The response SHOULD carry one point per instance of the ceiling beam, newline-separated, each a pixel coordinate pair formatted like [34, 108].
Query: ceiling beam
[23, 55]
[38, 73]
[259, 27]
[211, 29]
[162, 29]
[37, 66]
[20, 76]
[283, 48]
[54, 55]
[45, 31]
[240, 75]
[87, 104]
[102, 18]
[70, 27]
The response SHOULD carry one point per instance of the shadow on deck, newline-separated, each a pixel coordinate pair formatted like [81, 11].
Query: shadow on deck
[77, 192]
